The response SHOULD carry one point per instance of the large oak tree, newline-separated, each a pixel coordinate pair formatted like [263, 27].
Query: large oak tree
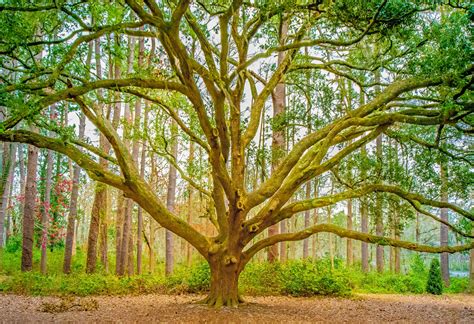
[209, 70]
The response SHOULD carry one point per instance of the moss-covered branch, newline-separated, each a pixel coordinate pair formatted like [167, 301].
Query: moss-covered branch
[345, 233]
[93, 169]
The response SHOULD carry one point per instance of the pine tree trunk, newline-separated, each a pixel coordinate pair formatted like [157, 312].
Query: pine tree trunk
[170, 201]
[278, 138]
[99, 200]
[443, 236]
[379, 253]
[349, 249]
[8, 165]
[68, 251]
[315, 221]
[29, 209]
[45, 211]
[8, 193]
[189, 248]
[307, 216]
[118, 231]
[471, 268]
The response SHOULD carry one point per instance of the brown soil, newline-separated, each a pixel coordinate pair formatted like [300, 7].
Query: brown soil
[172, 309]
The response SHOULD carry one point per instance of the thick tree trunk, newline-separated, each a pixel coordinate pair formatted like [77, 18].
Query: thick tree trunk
[443, 236]
[224, 290]
[29, 210]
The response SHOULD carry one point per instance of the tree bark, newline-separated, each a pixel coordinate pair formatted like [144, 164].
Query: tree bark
[349, 249]
[170, 200]
[443, 235]
[315, 220]
[307, 216]
[118, 232]
[278, 135]
[379, 252]
[68, 251]
[6, 199]
[29, 209]
[8, 165]
[127, 216]
[225, 272]
[471, 268]
[189, 248]
[45, 211]
[141, 165]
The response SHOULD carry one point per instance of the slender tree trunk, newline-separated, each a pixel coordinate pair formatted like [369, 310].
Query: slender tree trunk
[379, 252]
[22, 172]
[29, 209]
[8, 165]
[127, 218]
[8, 193]
[364, 227]
[170, 200]
[330, 240]
[307, 216]
[471, 268]
[135, 149]
[189, 248]
[397, 237]
[417, 228]
[444, 229]
[100, 200]
[105, 146]
[315, 221]
[118, 232]
[278, 138]
[349, 249]
[68, 251]
[45, 210]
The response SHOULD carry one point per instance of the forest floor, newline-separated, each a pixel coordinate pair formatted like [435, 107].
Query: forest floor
[362, 308]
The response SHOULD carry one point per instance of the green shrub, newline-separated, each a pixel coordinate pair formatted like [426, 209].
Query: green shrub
[457, 285]
[261, 278]
[13, 244]
[305, 278]
[434, 285]
[199, 279]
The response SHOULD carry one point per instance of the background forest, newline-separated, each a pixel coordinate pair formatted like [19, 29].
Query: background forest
[89, 86]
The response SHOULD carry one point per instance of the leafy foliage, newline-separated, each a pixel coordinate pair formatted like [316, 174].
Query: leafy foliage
[434, 285]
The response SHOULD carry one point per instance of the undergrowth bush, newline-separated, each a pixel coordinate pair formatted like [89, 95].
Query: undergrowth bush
[434, 285]
[295, 277]
[306, 278]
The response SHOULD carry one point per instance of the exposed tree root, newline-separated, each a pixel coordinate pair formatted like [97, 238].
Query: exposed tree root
[218, 301]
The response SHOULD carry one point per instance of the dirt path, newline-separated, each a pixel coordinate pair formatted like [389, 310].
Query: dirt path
[172, 309]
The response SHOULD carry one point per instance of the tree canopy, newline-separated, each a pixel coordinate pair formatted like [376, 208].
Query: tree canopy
[356, 70]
